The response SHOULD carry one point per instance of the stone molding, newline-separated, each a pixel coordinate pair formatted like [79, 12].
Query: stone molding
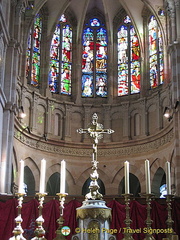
[114, 149]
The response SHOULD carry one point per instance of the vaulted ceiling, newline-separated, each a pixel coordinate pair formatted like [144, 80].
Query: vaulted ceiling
[108, 8]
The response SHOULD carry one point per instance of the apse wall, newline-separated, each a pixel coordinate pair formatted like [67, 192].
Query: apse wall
[50, 131]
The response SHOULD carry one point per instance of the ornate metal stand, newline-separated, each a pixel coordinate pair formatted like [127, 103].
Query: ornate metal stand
[60, 221]
[18, 231]
[127, 221]
[39, 231]
[169, 220]
[149, 235]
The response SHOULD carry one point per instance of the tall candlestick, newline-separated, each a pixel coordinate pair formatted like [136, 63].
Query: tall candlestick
[168, 178]
[147, 174]
[42, 176]
[126, 173]
[21, 177]
[63, 176]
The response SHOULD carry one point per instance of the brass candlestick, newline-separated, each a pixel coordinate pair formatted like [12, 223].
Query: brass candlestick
[169, 220]
[127, 221]
[149, 235]
[39, 231]
[18, 231]
[60, 220]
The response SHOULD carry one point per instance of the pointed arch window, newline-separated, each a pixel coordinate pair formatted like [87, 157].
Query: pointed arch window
[156, 66]
[94, 59]
[128, 59]
[61, 58]
[33, 53]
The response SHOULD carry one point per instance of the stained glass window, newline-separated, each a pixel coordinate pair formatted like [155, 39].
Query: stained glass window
[128, 59]
[61, 58]
[155, 53]
[33, 52]
[94, 60]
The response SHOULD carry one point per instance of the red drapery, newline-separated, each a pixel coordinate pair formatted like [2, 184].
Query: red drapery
[138, 214]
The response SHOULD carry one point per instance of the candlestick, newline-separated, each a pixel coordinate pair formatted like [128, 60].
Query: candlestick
[126, 173]
[42, 176]
[128, 232]
[63, 176]
[147, 174]
[168, 178]
[149, 221]
[21, 177]
[60, 220]
[18, 231]
[39, 231]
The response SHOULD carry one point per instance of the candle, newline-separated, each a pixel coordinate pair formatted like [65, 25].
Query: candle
[147, 174]
[21, 177]
[126, 173]
[63, 176]
[168, 178]
[42, 176]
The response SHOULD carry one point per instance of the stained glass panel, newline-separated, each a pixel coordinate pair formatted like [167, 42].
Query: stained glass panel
[87, 85]
[61, 58]
[54, 62]
[155, 53]
[101, 85]
[94, 60]
[128, 59]
[63, 18]
[35, 72]
[28, 56]
[127, 19]
[87, 63]
[66, 59]
[135, 64]
[122, 61]
[94, 22]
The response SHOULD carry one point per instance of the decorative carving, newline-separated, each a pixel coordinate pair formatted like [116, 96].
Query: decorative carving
[94, 213]
[119, 151]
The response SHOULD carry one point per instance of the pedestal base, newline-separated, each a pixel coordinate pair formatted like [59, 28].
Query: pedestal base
[94, 217]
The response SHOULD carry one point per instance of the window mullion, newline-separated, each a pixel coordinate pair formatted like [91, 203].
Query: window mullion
[94, 62]
[129, 61]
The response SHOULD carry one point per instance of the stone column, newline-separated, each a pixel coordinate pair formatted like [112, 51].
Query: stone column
[107, 122]
[67, 122]
[86, 120]
[177, 7]
[126, 120]
[176, 117]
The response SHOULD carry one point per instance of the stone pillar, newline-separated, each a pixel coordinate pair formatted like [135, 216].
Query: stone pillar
[94, 221]
[126, 120]
[107, 122]
[67, 122]
[86, 120]
[176, 117]
[177, 7]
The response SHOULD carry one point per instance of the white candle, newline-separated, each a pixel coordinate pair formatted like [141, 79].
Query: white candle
[63, 176]
[168, 178]
[126, 173]
[147, 174]
[21, 177]
[42, 176]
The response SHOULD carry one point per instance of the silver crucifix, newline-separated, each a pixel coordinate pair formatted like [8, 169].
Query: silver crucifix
[95, 131]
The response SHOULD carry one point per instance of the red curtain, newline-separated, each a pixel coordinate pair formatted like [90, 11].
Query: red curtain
[138, 215]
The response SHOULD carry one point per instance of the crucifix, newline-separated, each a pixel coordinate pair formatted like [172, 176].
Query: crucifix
[95, 130]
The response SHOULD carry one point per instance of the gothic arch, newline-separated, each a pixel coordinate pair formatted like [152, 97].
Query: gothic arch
[31, 164]
[55, 168]
[118, 178]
